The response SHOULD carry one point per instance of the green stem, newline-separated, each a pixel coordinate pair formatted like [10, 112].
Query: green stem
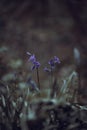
[38, 80]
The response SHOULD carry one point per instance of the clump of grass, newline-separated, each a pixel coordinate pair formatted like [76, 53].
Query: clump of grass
[52, 108]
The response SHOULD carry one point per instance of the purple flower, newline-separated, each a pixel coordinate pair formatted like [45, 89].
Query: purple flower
[52, 64]
[36, 65]
[33, 60]
[56, 60]
[53, 61]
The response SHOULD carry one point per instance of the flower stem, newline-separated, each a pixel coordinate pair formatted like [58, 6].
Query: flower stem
[38, 79]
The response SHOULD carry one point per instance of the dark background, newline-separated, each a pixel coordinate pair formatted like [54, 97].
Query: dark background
[45, 28]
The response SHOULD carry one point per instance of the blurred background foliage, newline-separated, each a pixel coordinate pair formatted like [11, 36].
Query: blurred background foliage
[46, 28]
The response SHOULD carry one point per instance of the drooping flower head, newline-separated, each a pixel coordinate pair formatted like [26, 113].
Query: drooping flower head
[52, 62]
[56, 60]
[32, 58]
[34, 61]
[36, 65]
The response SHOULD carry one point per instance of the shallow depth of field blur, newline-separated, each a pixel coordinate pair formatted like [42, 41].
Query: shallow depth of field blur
[45, 28]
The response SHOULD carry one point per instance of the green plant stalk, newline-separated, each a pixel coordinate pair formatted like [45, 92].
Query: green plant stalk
[38, 79]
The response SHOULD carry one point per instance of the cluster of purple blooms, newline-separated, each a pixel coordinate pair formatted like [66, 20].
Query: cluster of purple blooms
[52, 64]
[37, 64]
[55, 60]
[33, 60]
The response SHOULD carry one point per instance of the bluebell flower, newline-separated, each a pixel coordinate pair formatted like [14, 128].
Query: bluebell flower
[36, 64]
[56, 60]
[52, 62]
[33, 60]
